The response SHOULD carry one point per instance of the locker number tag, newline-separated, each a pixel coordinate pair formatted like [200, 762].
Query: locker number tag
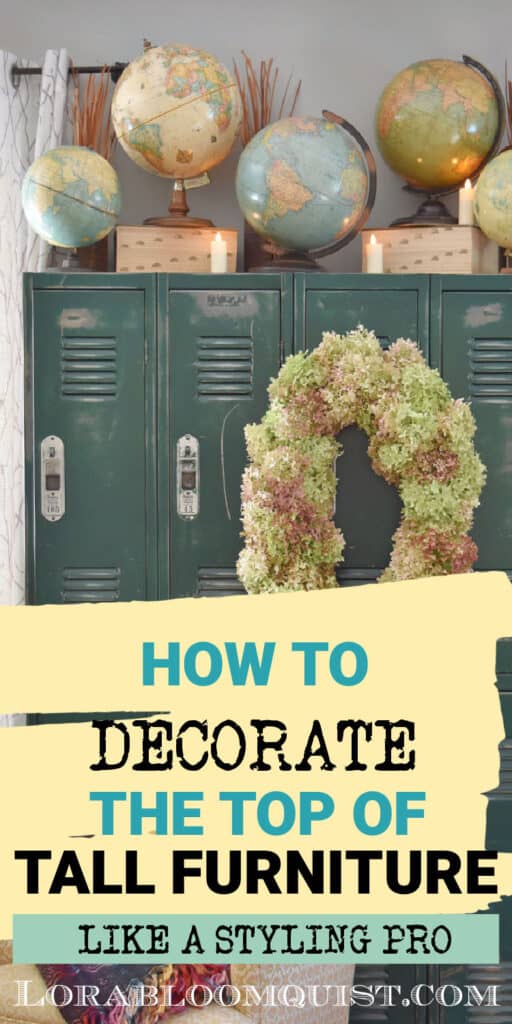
[53, 499]
[187, 476]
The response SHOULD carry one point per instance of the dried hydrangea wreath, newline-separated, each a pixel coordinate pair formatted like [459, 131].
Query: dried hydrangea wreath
[420, 440]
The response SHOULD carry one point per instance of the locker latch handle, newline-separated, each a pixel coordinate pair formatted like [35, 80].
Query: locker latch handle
[187, 476]
[53, 478]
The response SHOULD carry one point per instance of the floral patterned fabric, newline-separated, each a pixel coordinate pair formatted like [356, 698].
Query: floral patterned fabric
[106, 977]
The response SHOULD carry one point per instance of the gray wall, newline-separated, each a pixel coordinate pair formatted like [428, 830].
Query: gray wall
[344, 50]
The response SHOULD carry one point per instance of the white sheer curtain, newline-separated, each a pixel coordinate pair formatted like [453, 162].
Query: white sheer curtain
[32, 117]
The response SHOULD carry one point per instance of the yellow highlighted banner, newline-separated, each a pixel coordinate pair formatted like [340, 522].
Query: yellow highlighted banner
[351, 784]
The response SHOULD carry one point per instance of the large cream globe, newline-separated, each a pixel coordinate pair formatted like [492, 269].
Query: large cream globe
[176, 111]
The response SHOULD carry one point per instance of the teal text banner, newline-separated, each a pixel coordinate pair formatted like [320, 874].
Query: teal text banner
[210, 938]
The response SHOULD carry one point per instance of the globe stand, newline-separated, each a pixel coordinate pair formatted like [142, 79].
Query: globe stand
[178, 212]
[280, 262]
[431, 214]
[507, 269]
[70, 262]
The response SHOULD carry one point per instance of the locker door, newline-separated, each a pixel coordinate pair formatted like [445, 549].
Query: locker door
[472, 348]
[394, 306]
[90, 353]
[226, 338]
[405, 978]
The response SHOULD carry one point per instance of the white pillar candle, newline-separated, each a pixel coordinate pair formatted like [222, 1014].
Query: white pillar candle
[374, 256]
[466, 197]
[219, 255]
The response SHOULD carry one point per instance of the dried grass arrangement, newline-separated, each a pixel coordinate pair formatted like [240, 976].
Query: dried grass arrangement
[90, 113]
[508, 106]
[259, 89]
[92, 127]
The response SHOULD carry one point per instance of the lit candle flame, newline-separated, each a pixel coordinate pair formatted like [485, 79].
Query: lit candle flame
[373, 240]
[218, 237]
[467, 184]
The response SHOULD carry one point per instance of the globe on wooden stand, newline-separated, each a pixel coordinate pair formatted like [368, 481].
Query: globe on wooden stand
[439, 122]
[307, 186]
[176, 112]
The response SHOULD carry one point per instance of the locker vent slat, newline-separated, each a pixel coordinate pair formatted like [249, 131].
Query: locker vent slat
[224, 368]
[218, 583]
[490, 369]
[88, 367]
[356, 577]
[92, 585]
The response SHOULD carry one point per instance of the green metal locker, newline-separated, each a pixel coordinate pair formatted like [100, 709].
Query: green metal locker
[119, 369]
[394, 306]
[471, 345]
[222, 342]
[90, 370]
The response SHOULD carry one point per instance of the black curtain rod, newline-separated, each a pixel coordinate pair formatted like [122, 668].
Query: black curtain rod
[114, 70]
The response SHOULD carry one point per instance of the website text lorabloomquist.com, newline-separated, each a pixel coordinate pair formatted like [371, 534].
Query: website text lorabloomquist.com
[289, 995]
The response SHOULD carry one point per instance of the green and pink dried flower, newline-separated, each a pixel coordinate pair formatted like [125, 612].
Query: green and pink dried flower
[420, 439]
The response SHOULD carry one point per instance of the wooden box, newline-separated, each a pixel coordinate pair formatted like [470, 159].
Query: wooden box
[450, 249]
[171, 250]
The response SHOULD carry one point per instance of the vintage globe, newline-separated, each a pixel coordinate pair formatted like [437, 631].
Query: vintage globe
[71, 196]
[303, 183]
[436, 123]
[493, 199]
[176, 111]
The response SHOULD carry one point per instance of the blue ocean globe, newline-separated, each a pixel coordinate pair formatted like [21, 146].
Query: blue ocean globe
[304, 183]
[71, 196]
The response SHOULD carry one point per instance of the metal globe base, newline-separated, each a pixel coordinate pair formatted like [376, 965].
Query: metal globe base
[288, 261]
[432, 213]
[70, 263]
